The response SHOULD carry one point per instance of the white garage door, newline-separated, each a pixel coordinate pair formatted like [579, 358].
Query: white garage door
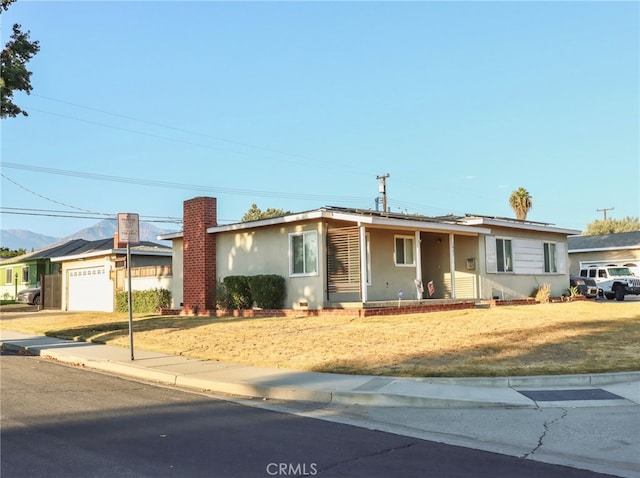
[90, 289]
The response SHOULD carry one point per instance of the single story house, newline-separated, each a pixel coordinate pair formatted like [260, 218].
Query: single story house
[338, 258]
[619, 249]
[86, 275]
[24, 271]
[93, 274]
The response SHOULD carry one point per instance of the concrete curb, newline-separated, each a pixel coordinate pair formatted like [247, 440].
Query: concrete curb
[256, 382]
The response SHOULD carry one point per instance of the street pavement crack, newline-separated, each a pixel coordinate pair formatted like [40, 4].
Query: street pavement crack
[547, 425]
[364, 457]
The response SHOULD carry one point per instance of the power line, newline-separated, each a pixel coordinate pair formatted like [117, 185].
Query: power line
[183, 186]
[307, 160]
[80, 215]
[44, 197]
[128, 130]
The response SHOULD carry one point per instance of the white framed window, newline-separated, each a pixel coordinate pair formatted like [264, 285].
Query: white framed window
[504, 255]
[8, 277]
[550, 260]
[25, 274]
[303, 253]
[404, 252]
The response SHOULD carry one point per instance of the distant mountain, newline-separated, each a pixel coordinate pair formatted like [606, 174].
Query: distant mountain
[106, 228]
[21, 239]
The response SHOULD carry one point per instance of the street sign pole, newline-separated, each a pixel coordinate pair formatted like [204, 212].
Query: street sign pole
[129, 299]
[129, 233]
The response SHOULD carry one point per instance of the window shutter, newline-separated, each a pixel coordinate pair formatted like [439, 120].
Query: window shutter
[561, 257]
[490, 254]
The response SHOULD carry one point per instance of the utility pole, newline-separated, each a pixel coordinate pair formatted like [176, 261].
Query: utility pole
[604, 211]
[382, 188]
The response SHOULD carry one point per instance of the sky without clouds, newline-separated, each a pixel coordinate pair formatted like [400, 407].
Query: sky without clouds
[138, 106]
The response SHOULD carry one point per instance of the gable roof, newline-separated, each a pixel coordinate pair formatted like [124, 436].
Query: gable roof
[475, 219]
[103, 247]
[468, 224]
[604, 242]
[356, 216]
[48, 252]
[82, 248]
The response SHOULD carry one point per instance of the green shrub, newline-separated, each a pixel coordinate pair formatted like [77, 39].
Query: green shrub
[144, 301]
[268, 291]
[235, 293]
[219, 295]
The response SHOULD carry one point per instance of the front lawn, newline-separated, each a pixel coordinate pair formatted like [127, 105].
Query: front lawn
[563, 338]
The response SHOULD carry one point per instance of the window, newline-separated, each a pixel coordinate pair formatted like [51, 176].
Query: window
[404, 251]
[303, 249]
[504, 255]
[550, 263]
[25, 275]
[8, 278]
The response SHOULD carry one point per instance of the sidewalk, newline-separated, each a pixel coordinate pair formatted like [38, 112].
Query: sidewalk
[616, 389]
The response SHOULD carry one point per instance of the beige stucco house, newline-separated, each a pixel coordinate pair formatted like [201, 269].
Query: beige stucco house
[92, 275]
[336, 257]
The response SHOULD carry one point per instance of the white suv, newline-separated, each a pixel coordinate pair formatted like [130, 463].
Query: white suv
[613, 281]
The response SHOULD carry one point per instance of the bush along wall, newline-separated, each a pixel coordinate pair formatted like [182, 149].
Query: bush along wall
[144, 301]
[234, 293]
[267, 291]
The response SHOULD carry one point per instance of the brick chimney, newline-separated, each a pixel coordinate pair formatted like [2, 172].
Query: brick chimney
[199, 251]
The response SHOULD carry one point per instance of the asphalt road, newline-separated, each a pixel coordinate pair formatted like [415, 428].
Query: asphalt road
[63, 421]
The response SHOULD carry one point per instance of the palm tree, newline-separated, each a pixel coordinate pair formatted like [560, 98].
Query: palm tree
[521, 202]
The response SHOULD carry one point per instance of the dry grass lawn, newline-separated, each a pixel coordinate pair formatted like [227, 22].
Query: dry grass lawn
[577, 337]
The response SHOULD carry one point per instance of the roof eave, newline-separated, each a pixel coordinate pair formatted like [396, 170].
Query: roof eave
[376, 221]
[109, 252]
[601, 249]
[524, 225]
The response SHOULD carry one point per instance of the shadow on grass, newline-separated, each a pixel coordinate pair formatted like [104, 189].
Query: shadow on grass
[578, 348]
[108, 331]
[562, 348]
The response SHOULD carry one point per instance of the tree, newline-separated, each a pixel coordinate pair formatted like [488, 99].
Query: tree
[254, 213]
[5, 252]
[521, 202]
[612, 226]
[14, 75]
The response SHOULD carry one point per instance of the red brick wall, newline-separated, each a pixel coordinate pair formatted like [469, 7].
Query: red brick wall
[199, 255]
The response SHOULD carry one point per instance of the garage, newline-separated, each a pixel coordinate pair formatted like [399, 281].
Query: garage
[89, 288]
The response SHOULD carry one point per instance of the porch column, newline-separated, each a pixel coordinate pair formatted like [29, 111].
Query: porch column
[418, 265]
[452, 265]
[363, 264]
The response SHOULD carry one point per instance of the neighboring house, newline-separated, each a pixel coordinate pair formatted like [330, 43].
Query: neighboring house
[336, 257]
[85, 275]
[93, 274]
[619, 249]
[25, 271]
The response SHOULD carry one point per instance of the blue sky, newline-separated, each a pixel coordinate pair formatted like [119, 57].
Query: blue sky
[138, 106]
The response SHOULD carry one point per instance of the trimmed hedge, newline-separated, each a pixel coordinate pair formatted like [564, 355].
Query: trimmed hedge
[234, 293]
[144, 301]
[267, 291]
